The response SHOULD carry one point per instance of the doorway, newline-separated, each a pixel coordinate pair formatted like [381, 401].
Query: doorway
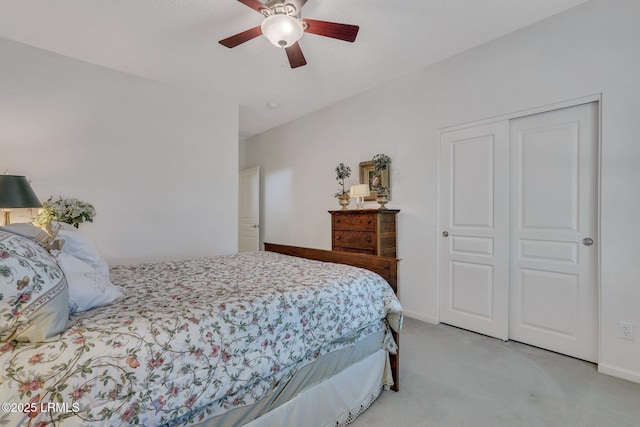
[249, 210]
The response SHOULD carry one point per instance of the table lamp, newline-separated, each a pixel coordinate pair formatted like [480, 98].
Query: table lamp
[359, 191]
[16, 192]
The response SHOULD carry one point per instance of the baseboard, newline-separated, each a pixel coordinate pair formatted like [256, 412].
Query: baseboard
[619, 372]
[418, 316]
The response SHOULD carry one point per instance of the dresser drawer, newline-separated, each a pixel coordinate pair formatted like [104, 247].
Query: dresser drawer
[354, 239]
[354, 222]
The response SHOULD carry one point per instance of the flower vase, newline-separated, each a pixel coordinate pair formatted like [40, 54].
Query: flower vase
[344, 200]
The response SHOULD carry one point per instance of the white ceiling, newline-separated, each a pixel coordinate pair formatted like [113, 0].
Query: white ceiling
[176, 42]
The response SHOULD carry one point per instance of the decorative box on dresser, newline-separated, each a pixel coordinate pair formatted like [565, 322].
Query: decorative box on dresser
[366, 231]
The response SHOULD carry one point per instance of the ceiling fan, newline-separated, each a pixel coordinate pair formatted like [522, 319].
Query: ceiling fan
[284, 26]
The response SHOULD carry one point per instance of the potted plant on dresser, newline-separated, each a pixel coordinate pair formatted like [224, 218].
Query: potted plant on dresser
[381, 163]
[342, 172]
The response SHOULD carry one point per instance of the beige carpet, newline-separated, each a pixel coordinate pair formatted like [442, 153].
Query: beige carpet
[452, 377]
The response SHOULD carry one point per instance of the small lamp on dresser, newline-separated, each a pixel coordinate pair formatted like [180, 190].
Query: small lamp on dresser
[360, 191]
[16, 192]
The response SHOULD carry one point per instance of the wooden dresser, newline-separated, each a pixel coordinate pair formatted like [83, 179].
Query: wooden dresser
[366, 231]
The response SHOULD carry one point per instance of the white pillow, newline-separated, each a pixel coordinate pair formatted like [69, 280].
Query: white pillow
[80, 246]
[88, 287]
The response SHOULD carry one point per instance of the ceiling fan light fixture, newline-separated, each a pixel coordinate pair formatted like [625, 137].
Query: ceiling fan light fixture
[282, 30]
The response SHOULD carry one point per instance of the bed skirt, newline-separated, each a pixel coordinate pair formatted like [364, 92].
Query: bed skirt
[331, 391]
[336, 401]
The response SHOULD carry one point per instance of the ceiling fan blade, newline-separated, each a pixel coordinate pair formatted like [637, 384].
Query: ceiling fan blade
[242, 37]
[255, 5]
[296, 58]
[334, 30]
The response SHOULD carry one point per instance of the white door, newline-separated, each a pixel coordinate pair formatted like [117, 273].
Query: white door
[249, 210]
[553, 276]
[473, 264]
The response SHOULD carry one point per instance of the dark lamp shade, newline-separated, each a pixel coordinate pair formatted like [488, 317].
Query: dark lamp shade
[16, 192]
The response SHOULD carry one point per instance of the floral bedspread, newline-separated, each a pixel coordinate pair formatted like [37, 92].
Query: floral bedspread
[191, 340]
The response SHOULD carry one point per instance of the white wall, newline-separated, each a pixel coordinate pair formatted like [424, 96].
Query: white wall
[592, 49]
[159, 164]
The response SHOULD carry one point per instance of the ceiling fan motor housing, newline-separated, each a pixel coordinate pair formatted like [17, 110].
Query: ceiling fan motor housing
[275, 7]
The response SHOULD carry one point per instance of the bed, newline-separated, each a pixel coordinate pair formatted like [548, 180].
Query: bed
[278, 337]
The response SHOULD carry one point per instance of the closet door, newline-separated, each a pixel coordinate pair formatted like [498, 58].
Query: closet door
[553, 276]
[474, 225]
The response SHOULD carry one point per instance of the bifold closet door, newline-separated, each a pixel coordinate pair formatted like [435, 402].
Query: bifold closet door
[553, 272]
[473, 264]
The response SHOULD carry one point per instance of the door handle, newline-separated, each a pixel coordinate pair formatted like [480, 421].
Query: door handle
[587, 241]
[445, 234]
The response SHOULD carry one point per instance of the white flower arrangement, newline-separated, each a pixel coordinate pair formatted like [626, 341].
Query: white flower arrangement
[70, 211]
